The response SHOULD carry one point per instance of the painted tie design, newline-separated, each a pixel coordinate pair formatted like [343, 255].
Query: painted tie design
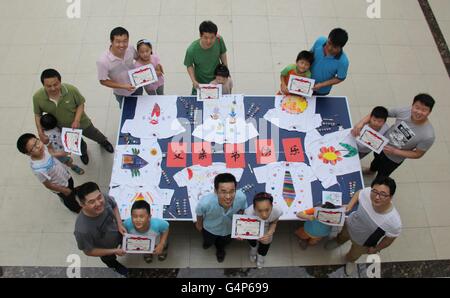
[288, 189]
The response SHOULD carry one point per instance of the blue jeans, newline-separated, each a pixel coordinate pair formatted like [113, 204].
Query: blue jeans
[120, 98]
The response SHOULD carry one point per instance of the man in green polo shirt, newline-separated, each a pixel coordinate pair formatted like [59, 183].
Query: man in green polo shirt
[65, 102]
[204, 54]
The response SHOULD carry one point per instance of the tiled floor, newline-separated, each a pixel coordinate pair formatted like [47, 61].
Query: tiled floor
[392, 59]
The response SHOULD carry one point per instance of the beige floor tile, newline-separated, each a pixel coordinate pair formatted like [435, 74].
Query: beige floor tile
[359, 64]
[224, 25]
[67, 31]
[167, 51]
[15, 248]
[32, 32]
[246, 59]
[201, 258]
[143, 8]
[279, 254]
[351, 8]
[55, 248]
[405, 173]
[175, 7]
[435, 156]
[9, 97]
[88, 56]
[283, 8]
[439, 88]
[400, 60]
[285, 54]
[249, 8]
[100, 27]
[255, 83]
[409, 203]
[283, 28]
[391, 32]
[441, 9]
[372, 89]
[213, 7]
[435, 203]
[441, 240]
[177, 83]
[141, 27]
[433, 173]
[15, 56]
[406, 87]
[13, 119]
[96, 96]
[250, 29]
[317, 8]
[360, 31]
[430, 61]
[177, 29]
[316, 27]
[27, 215]
[412, 245]
[419, 33]
[314, 255]
[104, 8]
[63, 58]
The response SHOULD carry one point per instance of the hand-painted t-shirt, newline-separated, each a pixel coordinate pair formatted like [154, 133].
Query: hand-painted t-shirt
[54, 136]
[290, 185]
[200, 181]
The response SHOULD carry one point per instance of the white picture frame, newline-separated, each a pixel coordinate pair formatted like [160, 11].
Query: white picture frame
[301, 86]
[330, 217]
[371, 139]
[71, 140]
[138, 244]
[247, 227]
[209, 92]
[143, 75]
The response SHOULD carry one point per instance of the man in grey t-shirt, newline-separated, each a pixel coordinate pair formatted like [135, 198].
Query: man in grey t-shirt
[410, 137]
[99, 228]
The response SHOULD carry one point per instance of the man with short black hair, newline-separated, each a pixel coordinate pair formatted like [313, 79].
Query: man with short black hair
[330, 64]
[113, 65]
[66, 104]
[204, 54]
[99, 229]
[215, 213]
[373, 226]
[411, 136]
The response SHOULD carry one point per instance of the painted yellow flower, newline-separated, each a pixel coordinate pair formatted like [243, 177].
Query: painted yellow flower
[330, 155]
[294, 104]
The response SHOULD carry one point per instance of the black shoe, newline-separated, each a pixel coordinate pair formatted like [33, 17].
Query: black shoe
[107, 146]
[121, 269]
[220, 254]
[84, 158]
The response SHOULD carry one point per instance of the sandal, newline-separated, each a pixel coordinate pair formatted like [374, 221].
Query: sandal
[77, 170]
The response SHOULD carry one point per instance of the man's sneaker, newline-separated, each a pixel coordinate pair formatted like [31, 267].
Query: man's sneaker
[84, 158]
[350, 268]
[121, 269]
[259, 261]
[148, 258]
[107, 146]
[303, 244]
[220, 254]
[252, 254]
[331, 244]
[77, 169]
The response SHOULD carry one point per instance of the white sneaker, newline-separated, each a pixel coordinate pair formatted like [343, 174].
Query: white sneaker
[252, 254]
[350, 268]
[259, 261]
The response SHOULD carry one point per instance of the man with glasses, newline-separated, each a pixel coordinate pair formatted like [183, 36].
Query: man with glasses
[49, 170]
[215, 213]
[373, 226]
[99, 228]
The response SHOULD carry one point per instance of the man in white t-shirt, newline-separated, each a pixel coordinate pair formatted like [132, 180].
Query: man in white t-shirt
[373, 226]
[49, 170]
[411, 136]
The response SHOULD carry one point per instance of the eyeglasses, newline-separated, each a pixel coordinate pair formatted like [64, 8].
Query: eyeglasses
[382, 195]
[35, 146]
[224, 193]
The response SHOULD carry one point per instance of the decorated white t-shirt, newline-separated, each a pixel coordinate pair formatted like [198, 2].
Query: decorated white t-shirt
[137, 165]
[54, 137]
[332, 155]
[224, 121]
[125, 196]
[294, 113]
[200, 181]
[290, 185]
[155, 117]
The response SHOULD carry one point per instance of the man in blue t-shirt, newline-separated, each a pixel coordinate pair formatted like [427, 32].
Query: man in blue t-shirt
[330, 64]
[215, 213]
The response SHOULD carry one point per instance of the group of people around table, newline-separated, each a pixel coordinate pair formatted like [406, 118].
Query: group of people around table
[99, 228]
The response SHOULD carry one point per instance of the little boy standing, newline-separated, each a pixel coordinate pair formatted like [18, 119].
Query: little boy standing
[141, 223]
